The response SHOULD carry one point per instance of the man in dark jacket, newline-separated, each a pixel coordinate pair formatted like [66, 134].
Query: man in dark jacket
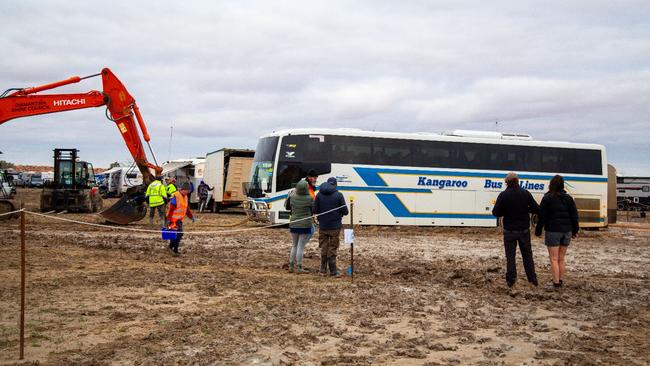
[204, 195]
[514, 205]
[329, 224]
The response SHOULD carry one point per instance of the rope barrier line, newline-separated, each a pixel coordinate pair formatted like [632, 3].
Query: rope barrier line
[11, 213]
[184, 232]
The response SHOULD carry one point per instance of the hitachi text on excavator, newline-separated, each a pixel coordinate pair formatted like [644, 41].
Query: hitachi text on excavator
[120, 108]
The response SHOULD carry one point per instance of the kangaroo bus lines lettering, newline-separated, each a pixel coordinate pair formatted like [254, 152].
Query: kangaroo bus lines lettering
[441, 183]
[525, 184]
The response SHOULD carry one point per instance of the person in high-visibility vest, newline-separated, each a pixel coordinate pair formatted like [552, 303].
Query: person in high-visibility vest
[311, 179]
[178, 208]
[171, 186]
[156, 197]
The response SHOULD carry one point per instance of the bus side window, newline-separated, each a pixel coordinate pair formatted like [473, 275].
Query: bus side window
[550, 160]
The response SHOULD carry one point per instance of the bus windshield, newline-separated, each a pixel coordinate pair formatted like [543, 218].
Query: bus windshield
[262, 169]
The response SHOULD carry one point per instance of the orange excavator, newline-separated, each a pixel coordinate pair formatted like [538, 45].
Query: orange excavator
[120, 108]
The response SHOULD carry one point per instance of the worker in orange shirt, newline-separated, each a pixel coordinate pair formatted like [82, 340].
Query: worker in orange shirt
[311, 179]
[178, 209]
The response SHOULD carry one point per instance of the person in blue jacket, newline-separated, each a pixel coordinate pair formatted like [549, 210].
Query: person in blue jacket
[329, 224]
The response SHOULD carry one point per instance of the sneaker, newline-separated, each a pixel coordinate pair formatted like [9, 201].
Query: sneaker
[535, 283]
[322, 273]
[336, 274]
[301, 270]
[510, 284]
[290, 267]
[552, 287]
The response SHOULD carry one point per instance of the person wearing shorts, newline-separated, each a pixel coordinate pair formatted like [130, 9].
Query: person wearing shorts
[558, 217]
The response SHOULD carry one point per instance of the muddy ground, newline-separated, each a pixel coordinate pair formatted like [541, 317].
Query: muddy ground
[421, 296]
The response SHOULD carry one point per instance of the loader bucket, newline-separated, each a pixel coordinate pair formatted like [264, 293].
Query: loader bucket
[131, 207]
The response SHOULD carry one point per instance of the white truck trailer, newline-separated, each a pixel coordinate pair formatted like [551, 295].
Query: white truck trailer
[226, 171]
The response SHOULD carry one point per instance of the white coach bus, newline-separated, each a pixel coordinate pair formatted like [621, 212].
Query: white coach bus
[449, 179]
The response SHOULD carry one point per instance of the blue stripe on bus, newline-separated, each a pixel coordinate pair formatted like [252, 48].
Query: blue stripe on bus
[371, 175]
[356, 189]
[384, 189]
[397, 209]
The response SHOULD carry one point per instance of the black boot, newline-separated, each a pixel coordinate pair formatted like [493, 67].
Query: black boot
[334, 272]
[323, 266]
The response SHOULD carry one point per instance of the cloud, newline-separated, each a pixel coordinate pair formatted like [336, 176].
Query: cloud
[227, 72]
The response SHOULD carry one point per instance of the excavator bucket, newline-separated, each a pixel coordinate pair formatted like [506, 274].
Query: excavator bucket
[131, 207]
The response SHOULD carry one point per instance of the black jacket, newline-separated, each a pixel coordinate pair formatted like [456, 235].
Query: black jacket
[328, 198]
[514, 205]
[557, 213]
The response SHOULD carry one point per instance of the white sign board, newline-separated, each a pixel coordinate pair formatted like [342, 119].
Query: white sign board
[348, 236]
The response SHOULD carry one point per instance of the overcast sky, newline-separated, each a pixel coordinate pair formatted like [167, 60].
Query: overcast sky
[224, 73]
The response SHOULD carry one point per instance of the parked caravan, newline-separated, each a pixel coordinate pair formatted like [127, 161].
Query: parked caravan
[24, 179]
[226, 171]
[47, 177]
[115, 181]
[633, 193]
[186, 170]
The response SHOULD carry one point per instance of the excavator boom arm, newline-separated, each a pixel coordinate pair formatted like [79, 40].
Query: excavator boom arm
[121, 109]
[121, 106]
[30, 105]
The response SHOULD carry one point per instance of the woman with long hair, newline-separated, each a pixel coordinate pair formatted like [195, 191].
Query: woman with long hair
[558, 216]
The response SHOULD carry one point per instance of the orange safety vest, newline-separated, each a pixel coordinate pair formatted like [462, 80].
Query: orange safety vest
[312, 191]
[179, 210]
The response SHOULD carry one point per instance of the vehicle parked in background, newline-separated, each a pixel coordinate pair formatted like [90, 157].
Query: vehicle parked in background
[24, 179]
[186, 170]
[633, 193]
[35, 181]
[47, 177]
[226, 171]
[117, 180]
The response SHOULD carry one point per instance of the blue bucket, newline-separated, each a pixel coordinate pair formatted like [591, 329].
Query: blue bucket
[168, 234]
